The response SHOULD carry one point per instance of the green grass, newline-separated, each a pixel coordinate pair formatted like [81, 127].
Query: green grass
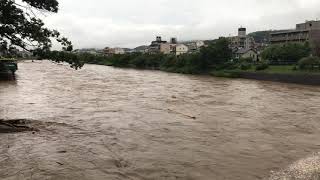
[289, 69]
[284, 69]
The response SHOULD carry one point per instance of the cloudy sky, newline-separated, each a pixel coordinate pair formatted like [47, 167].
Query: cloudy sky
[129, 23]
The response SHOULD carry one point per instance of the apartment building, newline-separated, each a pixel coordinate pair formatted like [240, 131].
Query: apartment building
[160, 46]
[304, 32]
[242, 41]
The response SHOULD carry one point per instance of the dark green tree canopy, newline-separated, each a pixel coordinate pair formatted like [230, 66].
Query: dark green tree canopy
[290, 52]
[216, 53]
[21, 27]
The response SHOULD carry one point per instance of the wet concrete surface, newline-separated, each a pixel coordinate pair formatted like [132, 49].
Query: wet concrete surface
[107, 123]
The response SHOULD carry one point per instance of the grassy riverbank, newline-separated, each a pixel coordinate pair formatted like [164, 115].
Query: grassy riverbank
[193, 64]
[289, 74]
[285, 69]
[216, 59]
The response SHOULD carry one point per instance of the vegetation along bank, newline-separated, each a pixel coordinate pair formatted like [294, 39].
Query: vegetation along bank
[291, 63]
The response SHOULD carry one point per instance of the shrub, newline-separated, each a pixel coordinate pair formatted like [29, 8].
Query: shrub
[295, 68]
[309, 63]
[262, 66]
[245, 66]
[248, 59]
[138, 62]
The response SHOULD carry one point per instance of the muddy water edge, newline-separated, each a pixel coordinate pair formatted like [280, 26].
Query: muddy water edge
[107, 123]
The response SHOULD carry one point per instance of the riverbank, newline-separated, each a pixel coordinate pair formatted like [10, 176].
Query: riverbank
[284, 74]
[304, 78]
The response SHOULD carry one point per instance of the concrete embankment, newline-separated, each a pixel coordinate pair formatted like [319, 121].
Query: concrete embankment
[307, 79]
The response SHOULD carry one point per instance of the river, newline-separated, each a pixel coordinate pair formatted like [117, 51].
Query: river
[109, 123]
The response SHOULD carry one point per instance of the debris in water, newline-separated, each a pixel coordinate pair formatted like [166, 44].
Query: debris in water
[13, 126]
[59, 163]
[62, 152]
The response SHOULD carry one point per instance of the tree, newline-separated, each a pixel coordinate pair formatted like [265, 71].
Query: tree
[217, 53]
[21, 27]
[315, 42]
[291, 52]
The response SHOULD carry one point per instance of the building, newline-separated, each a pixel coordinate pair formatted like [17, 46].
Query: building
[242, 41]
[194, 46]
[180, 49]
[112, 51]
[304, 32]
[159, 46]
[174, 46]
[87, 50]
[247, 53]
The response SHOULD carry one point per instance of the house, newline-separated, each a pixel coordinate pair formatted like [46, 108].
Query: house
[247, 53]
[180, 49]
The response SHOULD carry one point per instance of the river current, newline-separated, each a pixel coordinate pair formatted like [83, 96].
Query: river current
[103, 123]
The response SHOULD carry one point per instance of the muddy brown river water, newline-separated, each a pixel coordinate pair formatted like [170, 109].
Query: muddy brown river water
[104, 123]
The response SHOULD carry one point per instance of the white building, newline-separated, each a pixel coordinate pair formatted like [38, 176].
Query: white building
[180, 49]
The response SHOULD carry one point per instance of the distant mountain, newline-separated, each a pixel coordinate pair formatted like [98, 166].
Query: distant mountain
[207, 42]
[141, 48]
[261, 36]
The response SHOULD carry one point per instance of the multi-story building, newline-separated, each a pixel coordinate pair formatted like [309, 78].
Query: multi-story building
[304, 32]
[174, 47]
[159, 46]
[242, 41]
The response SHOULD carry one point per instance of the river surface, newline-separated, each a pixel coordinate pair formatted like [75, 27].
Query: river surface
[102, 123]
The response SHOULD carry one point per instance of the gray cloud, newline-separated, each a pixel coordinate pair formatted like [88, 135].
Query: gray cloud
[129, 23]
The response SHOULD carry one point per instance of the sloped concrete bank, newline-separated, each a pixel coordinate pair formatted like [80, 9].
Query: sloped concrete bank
[306, 79]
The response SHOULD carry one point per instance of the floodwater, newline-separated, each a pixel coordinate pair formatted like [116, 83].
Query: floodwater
[102, 123]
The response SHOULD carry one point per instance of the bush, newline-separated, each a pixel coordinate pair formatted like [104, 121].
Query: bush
[309, 63]
[262, 66]
[138, 62]
[245, 66]
[248, 59]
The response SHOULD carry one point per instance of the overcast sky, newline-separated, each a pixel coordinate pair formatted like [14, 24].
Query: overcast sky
[129, 23]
